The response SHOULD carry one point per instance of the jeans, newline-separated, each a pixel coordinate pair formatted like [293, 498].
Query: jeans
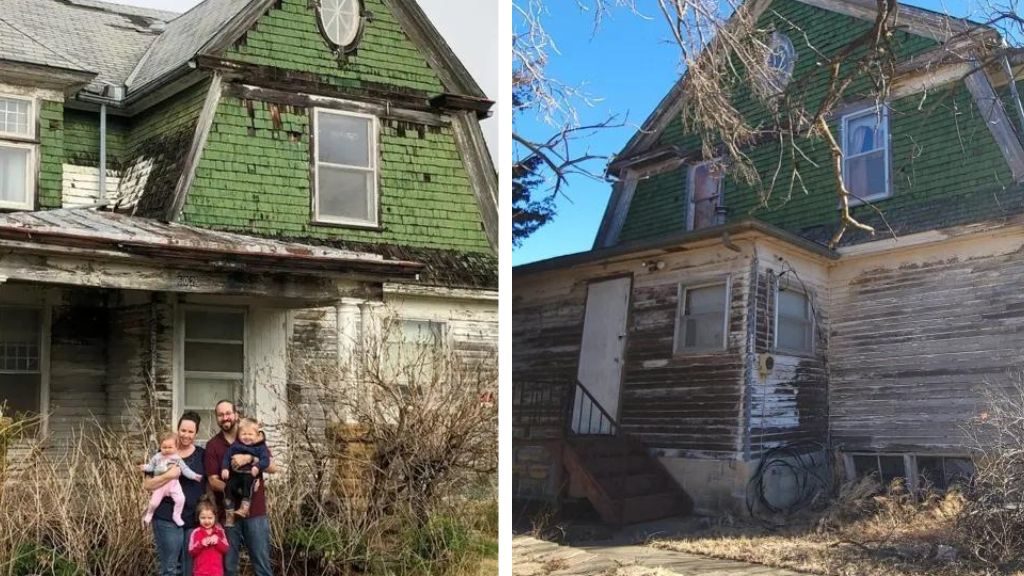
[254, 534]
[170, 544]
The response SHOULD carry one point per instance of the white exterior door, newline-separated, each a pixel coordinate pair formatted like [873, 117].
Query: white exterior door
[601, 353]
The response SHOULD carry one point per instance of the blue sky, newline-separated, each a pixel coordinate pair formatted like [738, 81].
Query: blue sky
[630, 64]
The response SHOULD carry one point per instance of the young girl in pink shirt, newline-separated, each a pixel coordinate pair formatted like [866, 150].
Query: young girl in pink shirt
[208, 543]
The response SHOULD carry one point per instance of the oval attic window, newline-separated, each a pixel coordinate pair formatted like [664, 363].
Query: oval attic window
[340, 21]
[781, 59]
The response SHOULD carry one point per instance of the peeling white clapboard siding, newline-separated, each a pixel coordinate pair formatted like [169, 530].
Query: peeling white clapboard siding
[81, 185]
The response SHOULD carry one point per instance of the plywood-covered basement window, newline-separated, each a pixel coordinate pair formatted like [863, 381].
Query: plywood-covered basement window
[702, 317]
[21, 361]
[213, 361]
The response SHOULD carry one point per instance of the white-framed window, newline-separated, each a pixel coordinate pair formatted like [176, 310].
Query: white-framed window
[212, 361]
[22, 361]
[704, 195]
[702, 317]
[17, 117]
[413, 350]
[794, 321]
[17, 152]
[865, 143]
[345, 187]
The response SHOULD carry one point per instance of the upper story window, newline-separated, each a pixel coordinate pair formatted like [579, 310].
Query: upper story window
[704, 190]
[345, 191]
[865, 136]
[701, 323]
[17, 153]
[781, 60]
[794, 326]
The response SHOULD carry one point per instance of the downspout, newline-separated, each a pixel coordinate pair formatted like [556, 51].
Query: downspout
[1013, 90]
[103, 154]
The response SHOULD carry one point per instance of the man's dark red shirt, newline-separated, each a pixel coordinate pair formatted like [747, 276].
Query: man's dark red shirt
[216, 448]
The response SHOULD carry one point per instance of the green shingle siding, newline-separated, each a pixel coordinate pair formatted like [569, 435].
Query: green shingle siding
[82, 139]
[255, 179]
[51, 153]
[942, 152]
[288, 38]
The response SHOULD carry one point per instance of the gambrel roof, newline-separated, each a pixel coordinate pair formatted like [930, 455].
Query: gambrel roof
[139, 49]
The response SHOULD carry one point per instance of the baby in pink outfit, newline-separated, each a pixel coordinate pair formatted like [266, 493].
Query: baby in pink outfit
[159, 464]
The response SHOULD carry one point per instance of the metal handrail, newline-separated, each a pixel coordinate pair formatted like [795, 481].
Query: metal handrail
[575, 423]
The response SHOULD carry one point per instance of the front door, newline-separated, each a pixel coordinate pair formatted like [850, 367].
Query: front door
[601, 353]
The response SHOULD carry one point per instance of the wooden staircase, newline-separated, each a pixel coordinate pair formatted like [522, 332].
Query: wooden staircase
[623, 482]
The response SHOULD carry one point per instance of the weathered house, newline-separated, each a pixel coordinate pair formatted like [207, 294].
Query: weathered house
[715, 332]
[188, 201]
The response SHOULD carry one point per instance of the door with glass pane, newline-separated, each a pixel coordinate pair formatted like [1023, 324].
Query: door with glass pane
[213, 362]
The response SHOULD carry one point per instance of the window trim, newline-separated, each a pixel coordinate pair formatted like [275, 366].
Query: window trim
[46, 318]
[886, 151]
[444, 343]
[679, 333]
[373, 200]
[810, 320]
[30, 177]
[689, 195]
[180, 374]
[31, 136]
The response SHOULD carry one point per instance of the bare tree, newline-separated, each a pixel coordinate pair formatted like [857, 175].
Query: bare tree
[736, 98]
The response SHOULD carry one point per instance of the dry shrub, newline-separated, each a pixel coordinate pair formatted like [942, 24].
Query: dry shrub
[992, 523]
[392, 468]
[73, 509]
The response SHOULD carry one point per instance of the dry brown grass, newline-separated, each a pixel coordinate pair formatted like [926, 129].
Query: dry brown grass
[863, 533]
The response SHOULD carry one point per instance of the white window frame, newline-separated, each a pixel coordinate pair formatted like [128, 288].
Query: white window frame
[31, 118]
[30, 177]
[373, 200]
[810, 321]
[690, 205]
[679, 333]
[882, 113]
[178, 403]
[45, 317]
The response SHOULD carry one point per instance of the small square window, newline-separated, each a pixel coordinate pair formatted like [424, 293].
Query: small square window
[16, 117]
[794, 326]
[346, 168]
[865, 142]
[701, 320]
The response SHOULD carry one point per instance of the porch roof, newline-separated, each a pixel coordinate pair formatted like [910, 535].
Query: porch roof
[678, 241]
[117, 234]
